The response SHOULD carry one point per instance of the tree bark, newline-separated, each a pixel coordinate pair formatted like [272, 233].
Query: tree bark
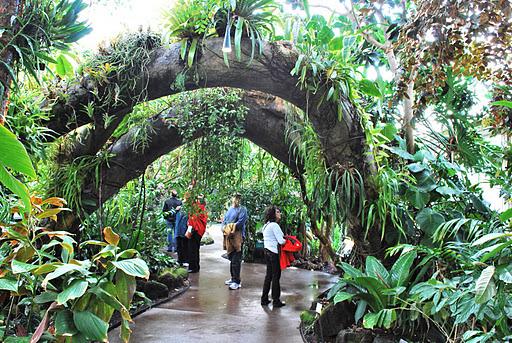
[342, 140]
[409, 114]
[8, 9]
[264, 125]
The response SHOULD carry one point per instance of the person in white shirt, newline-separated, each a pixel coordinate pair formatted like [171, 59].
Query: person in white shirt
[272, 238]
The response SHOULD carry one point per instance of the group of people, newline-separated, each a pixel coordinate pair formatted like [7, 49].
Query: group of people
[187, 227]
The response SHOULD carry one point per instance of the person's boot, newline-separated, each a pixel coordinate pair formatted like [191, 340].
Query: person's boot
[278, 303]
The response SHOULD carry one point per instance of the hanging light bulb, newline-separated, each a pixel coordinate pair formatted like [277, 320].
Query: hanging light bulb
[226, 47]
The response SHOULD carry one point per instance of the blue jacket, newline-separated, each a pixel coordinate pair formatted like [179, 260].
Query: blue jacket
[236, 215]
[181, 224]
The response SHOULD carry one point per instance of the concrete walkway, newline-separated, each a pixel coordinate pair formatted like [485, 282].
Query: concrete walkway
[210, 312]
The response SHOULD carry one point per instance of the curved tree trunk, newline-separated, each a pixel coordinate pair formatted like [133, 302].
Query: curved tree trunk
[342, 139]
[264, 125]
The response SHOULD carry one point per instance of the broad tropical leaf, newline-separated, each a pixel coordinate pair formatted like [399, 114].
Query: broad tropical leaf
[75, 290]
[134, 267]
[402, 268]
[90, 326]
[375, 268]
[485, 288]
[13, 154]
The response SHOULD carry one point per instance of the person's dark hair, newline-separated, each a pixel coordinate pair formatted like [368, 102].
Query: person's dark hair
[270, 213]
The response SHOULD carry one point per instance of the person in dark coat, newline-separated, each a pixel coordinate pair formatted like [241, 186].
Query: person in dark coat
[181, 240]
[171, 207]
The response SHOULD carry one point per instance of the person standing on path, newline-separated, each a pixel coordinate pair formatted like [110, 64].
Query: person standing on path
[197, 219]
[171, 206]
[181, 240]
[236, 214]
[272, 238]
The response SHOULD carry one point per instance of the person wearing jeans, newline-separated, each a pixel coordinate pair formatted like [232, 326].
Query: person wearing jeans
[236, 214]
[171, 206]
[272, 238]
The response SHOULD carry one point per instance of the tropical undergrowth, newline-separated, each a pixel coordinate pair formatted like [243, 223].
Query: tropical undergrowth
[452, 274]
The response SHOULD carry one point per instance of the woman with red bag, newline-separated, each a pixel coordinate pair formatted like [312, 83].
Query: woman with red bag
[272, 239]
[197, 219]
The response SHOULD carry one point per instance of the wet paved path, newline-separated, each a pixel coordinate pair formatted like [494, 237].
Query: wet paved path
[210, 312]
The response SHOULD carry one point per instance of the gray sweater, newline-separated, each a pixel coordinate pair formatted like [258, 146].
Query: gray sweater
[272, 236]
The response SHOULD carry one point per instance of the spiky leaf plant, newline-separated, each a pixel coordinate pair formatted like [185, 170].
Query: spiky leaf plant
[253, 19]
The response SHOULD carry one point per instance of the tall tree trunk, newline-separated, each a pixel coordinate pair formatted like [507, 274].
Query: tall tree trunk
[408, 115]
[8, 10]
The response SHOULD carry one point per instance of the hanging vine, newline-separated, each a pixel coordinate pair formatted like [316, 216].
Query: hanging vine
[219, 130]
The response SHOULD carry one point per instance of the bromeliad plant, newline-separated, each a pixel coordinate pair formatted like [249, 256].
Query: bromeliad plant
[191, 21]
[188, 22]
[253, 19]
[78, 297]
[376, 291]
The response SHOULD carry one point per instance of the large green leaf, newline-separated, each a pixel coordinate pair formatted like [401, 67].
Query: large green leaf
[504, 103]
[495, 250]
[375, 268]
[9, 284]
[506, 215]
[336, 288]
[402, 153]
[402, 268]
[342, 296]
[369, 88]
[106, 294]
[75, 290]
[64, 324]
[383, 319]
[13, 339]
[125, 287]
[445, 190]
[134, 267]
[484, 287]
[371, 320]
[90, 325]
[63, 67]
[429, 220]
[417, 167]
[505, 273]
[13, 154]
[417, 198]
[374, 287]
[360, 310]
[425, 182]
[45, 297]
[350, 271]
[489, 237]
[61, 270]
[15, 186]
[21, 267]
[389, 131]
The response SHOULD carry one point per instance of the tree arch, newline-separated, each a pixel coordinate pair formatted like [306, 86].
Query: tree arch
[264, 126]
[342, 139]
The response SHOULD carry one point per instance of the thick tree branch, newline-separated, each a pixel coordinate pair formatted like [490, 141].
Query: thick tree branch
[264, 125]
[268, 73]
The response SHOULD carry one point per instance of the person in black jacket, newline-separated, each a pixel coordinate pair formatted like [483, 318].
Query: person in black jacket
[171, 206]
